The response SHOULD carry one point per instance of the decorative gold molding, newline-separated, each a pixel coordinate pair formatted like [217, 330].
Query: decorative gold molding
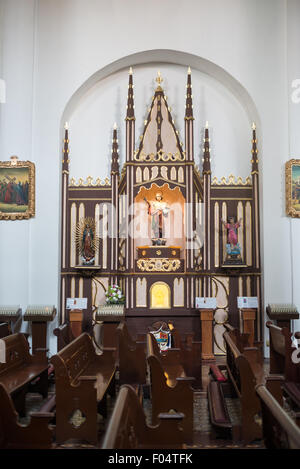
[232, 181]
[231, 198]
[89, 182]
[158, 265]
[159, 156]
[175, 183]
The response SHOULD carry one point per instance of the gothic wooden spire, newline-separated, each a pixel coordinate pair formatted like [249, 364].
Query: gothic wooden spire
[130, 98]
[206, 169]
[115, 153]
[130, 121]
[189, 119]
[254, 151]
[189, 98]
[65, 161]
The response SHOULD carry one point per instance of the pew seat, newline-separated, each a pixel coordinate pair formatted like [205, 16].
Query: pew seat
[36, 435]
[218, 411]
[216, 372]
[22, 369]
[127, 428]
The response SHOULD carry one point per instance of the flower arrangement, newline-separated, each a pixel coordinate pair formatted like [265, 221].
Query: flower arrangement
[114, 295]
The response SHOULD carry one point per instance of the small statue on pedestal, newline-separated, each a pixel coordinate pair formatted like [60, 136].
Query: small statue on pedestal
[233, 249]
[158, 210]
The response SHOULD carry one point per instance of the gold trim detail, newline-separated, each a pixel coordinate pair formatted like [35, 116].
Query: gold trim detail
[158, 265]
[89, 182]
[231, 181]
[159, 156]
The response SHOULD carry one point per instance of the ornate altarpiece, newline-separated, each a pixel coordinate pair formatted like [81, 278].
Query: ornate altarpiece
[161, 281]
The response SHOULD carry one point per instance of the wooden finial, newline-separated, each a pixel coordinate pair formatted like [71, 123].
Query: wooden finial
[13, 160]
[159, 78]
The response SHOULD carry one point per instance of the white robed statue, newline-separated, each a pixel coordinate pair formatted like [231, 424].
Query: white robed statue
[158, 210]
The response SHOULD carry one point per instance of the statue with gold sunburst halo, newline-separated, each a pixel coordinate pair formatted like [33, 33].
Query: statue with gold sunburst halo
[87, 243]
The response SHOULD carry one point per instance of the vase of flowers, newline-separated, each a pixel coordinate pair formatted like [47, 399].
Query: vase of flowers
[114, 303]
[114, 295]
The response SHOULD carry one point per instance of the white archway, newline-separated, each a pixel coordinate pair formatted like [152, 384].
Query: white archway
[168, 56]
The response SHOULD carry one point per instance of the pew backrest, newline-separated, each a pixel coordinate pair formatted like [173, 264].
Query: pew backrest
[132, 357]
[127, 428]
[279, 430]
[5, 329]
[281, 353]
[72, 360]
[16, 352]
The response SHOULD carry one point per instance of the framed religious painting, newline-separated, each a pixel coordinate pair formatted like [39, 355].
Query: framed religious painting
[292, 188]
[17, 189]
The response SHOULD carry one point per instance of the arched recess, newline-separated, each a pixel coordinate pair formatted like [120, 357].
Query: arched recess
[174, 57]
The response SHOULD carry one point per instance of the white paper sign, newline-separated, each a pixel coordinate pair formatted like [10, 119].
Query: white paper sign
[206, 303]
[247, 302]
[76, 303]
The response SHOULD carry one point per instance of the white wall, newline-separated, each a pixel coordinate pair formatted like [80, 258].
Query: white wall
[293, 74]
[51, 48]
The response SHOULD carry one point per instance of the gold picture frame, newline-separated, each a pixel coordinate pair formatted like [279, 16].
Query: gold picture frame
[292, 188]
[17, 189]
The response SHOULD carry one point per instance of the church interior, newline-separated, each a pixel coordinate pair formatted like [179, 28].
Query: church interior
[149, 212]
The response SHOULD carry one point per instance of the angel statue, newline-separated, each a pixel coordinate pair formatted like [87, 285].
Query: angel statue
[233, 248]
[86, 240]
[157, 210]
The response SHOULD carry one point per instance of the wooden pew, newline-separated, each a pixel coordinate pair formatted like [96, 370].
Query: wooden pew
[220, 386]
[241, 339]
[64, 335]
[190, 354]
[127, 428]
[279, 430]
[282, 366]
[83, 380]
[131, 357]
[171, 389]
[244, 371]
[4, 329]
[219, 415]
[21, 369]
[13, 435]
[281, 351]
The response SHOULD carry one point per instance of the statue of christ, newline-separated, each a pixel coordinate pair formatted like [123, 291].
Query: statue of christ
[157, 210]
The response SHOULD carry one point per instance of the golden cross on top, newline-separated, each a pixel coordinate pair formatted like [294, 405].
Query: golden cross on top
[159, 78]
